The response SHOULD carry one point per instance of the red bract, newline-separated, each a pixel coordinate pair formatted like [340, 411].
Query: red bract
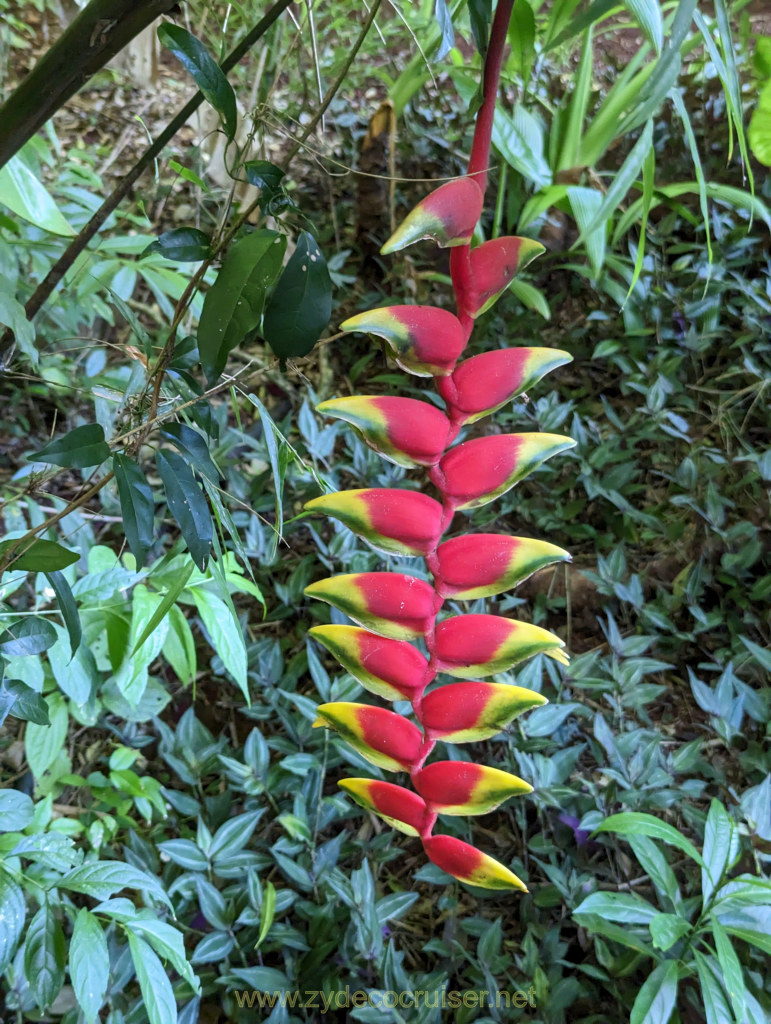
[394, 608]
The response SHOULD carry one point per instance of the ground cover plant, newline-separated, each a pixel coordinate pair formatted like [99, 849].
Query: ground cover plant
[174, 842]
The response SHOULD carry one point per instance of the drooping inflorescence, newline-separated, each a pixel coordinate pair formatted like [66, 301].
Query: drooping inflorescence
[393, 610]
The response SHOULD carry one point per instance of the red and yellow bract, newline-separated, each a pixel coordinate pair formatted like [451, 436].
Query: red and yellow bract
[393, 608]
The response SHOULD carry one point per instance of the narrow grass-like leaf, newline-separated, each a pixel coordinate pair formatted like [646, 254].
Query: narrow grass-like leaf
[622, 182]
[648, 13]
[277, 464]
[208, 75]
[267, 912]
[187, 505]
[579, 103]
[67, 607]
[136, 505]
[679, 105]
[531, 297]
[649, 171]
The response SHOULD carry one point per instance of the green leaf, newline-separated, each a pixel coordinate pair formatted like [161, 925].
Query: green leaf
[585, 202]
[648, 14]
[655, 865]
[656, 999]
[82, 447]
[31, 635]
[102, 879]
[169, 598]
[666, 929]
[208, 75]
[187, 505]
[267, 912]
[16, 810]
[67, 607]
[530, 297]
[522, 38]
[618, 906]
[520, 141]
[22, 193]
[759, 132]
[716, 1008]
[579, 103]
[682, 113]
[185, 853]
[89, 964]
[43, 743]
[136, 505]
[232, 307]
[718, 843]
[267, 178]
[634, 823]
[179, 647]
[168, 944]
[185, 245]
[13, 911]
[234, 834]
[622, 182]
[193, 447]
[45, 953]
[39, 555]
[733, 976]
[157, 995]
[301, 304]
[75, 673]
[442, 15]
[225, 634]
[12, 315]
[26, 703]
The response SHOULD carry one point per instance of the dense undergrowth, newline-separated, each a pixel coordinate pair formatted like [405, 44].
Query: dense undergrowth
[173, 757]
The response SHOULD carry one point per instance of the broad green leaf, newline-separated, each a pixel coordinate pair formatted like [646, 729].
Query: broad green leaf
[301, 304]
[634, 823]
[31, 635]
[193, 447]
[185, 853]
[16, 810]
[136, 505]
[132, 676]
[22, 193]
[538, 204]
[618, 906]
[45, 953]
[13, 911]
[213, 948]
[208, 75]
[12, 315]
[42, 743]
[179, 647]
[232, 307]
[39, 555]
[519, 138]
[655, 865]
[185, 245]
[67, 607]
[522, 39]
[168, 943]
[585, 202]
[89, 964]
[648, 14]
[75, 673]
[733, 975]
[101, 879]
[225, 633]
[169, 598]
[157, 995]
[25, 702]
[666, 929]
[442, 15]
[716, 1007]
[657, 997]
[718, 843]
[530, 297]
[187, 505]
[82, 447]
[267, 912]
[759, 132]
[234, 834]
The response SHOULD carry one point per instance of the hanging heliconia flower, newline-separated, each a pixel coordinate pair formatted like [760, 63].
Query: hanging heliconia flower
[393, 610]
